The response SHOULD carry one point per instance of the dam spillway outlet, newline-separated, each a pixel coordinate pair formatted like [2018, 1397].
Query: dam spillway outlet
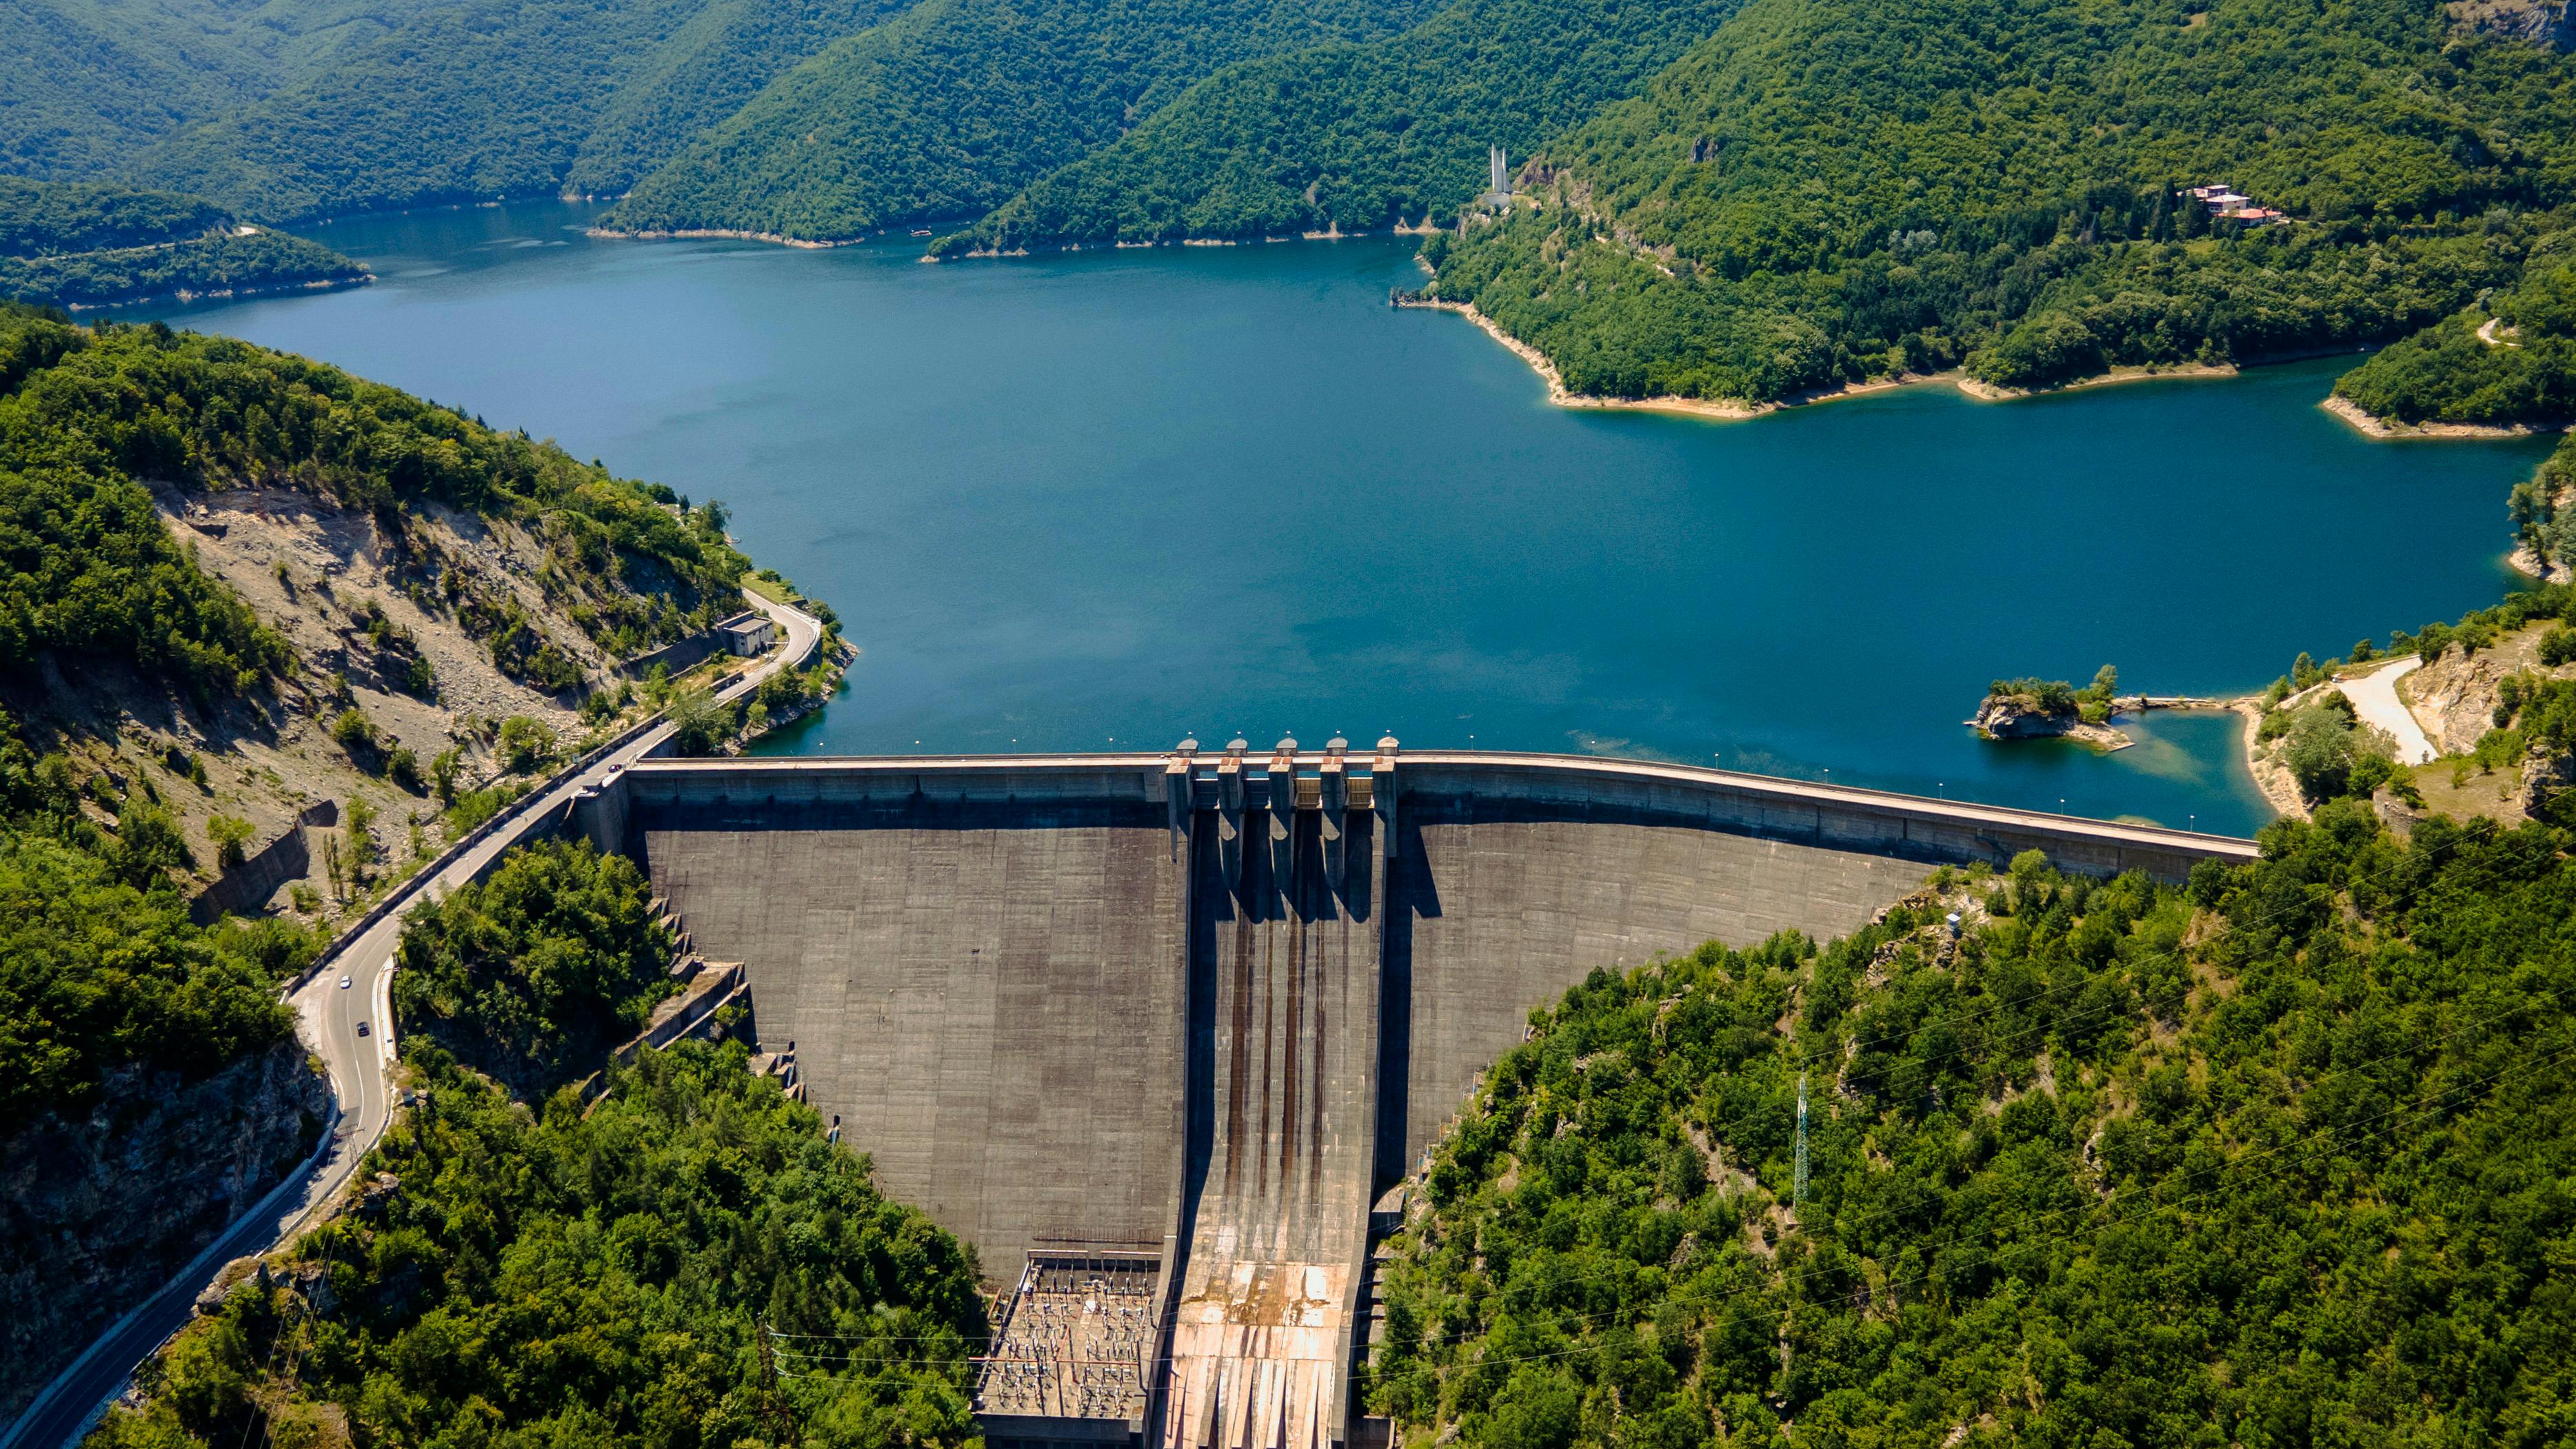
[1092, 1012]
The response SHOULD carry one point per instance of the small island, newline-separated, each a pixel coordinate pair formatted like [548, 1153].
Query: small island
[2030, 709]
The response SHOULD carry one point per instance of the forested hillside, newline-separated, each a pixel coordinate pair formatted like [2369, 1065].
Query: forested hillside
[296, 108]
[470, 101]
[703, 74]
[2510, 361]
[565, 1277]
[1353, 136]
[71, 245]
[40, 220]
[1824, 191]
[2283, 1159]
[380, 603]
[558, 1269]
[955, 105]
[90, 83]
[533, 974]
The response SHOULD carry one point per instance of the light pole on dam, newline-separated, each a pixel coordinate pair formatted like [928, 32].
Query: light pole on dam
[1152, 1031]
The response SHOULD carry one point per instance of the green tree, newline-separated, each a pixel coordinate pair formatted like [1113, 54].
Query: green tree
[228, 834]
[700, 725]
[533, 973]
[442, 774]
[527, 744]
[567, 1276]
[2125, 1164]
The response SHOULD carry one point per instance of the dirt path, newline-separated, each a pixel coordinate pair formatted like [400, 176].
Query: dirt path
[2374, 698]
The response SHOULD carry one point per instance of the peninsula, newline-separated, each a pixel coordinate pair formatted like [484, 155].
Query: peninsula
[79, 247]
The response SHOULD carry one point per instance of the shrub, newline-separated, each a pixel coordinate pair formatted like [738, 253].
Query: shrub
[355, 733]
[2558, 646]
[228, 833]
[526, 744]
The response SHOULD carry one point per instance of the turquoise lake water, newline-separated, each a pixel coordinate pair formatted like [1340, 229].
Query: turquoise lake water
[1109, 499]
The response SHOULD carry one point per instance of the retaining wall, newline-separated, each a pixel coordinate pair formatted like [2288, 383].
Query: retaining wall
[245, 888]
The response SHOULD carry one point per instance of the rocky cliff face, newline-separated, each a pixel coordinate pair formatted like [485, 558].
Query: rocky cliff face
[2454, 697]
[97, 1211]
[2537, 22]
[2019, 717]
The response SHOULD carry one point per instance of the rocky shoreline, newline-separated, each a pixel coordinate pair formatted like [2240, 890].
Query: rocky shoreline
[1738, 410]
[721, 234]
[2009, 717]
[2372, 426]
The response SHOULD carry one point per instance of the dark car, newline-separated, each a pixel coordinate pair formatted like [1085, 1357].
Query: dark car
[362, 1028]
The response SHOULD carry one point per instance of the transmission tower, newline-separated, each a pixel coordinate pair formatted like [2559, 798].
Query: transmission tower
[1798, 1186]
[782, 1421]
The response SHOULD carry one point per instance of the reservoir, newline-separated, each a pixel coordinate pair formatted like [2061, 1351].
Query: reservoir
[1104, 500]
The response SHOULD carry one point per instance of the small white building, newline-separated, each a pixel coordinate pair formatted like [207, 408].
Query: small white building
[748, 633]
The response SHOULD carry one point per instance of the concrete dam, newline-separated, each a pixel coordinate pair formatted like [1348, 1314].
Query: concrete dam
[1154, 1031]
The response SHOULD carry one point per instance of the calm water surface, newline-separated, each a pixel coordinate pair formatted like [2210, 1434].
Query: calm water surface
[1107, 500]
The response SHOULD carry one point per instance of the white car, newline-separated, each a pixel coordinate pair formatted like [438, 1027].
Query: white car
[344, 983]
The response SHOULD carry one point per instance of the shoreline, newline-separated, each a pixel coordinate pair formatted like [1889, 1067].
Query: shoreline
[1558, 394]
[2270, 777]
[1737, 410]
[183, 296]
[1121, 244]
[2524, 562]
[2127, 372]
[718, 234]
[2371, 426]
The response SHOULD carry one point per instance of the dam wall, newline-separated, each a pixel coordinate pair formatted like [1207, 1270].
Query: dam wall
[983, 985]
[1202, 1008]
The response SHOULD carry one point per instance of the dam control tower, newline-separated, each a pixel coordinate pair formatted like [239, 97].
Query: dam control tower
[1153, 1032]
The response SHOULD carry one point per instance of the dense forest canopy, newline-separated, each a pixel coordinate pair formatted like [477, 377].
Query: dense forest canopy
[1353, 136]
[1822, 192]
[41, 220]
[567, 1277]
[69, 244]
[2512, 360]
[298, 108]
[958, 103]
[714, 64]
[93, 84]
[532, 974]
[2281, 1159]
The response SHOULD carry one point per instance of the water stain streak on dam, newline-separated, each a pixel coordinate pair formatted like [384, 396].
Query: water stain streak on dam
[1197, 1010]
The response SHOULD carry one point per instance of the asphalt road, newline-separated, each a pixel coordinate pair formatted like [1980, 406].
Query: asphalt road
[330, 1015]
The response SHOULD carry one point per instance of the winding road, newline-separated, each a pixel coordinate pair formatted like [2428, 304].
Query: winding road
[330, 1015]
